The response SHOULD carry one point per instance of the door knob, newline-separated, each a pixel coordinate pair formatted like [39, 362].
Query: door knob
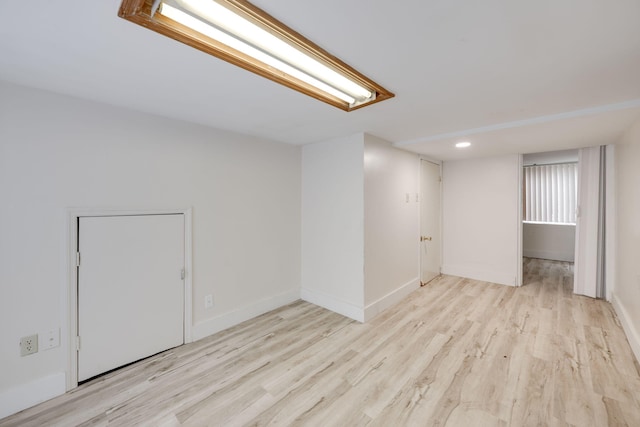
[423, 238]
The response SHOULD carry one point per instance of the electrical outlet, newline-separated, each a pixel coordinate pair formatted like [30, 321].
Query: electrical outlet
[208, 301]
[29, 345]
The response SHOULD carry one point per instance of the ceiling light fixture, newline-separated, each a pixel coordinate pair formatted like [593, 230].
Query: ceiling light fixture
[463, 144]
[242, 34]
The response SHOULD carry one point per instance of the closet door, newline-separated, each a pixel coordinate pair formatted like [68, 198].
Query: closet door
[430, 242]
[589, 245]
[130, 289]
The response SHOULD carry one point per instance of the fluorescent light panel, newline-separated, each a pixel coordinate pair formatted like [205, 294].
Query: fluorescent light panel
[224, 19]
[245, 29]
[237, 44]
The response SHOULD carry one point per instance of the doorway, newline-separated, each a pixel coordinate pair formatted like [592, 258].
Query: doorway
[593, 245]
[549, 213]
[430, 222]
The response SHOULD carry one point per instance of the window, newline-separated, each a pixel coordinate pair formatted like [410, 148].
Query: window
[550, 193]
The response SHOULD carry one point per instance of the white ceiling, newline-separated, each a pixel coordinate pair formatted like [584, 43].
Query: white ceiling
[511, 77]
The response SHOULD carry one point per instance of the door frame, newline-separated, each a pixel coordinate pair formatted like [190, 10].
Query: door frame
[439, 164]
[519, 233]
[71, 331]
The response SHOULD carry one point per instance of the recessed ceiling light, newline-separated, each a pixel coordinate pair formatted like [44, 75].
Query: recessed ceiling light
[463, 144]
[244, 35]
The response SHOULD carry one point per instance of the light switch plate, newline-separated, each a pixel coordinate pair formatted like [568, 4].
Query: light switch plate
[50, 339]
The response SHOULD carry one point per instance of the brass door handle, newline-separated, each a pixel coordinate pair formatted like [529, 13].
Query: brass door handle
[425, 238]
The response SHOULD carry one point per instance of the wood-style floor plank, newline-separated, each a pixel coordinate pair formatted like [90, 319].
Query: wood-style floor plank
[457, 352]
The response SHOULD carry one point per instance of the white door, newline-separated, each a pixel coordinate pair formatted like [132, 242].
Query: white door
[430, 244]
[130, 289]
[588, 251]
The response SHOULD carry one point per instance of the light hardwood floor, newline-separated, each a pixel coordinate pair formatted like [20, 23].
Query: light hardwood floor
[457, 352]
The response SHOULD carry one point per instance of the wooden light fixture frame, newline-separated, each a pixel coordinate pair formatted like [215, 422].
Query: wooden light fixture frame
[139, 12]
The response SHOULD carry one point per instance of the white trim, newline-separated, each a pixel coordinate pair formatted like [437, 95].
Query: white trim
[441, 225]
[555, 256]
[519, 232]
[332, 303]
[633, 335]
[611, 224]
[219, 323]
[188, 277]
[27, 395]
[501, 278]
[69, 333]
[392, 298]
[431, 159]
[570, 224]
[634, 103]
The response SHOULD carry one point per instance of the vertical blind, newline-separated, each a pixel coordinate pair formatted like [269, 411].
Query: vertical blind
[550, 193]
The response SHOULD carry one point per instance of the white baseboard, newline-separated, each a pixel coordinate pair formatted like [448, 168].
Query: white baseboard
[633, 335]
[555, 256]
[377, 307]
[499, 277]
[331, 303]
[26, 395]
[219, 323]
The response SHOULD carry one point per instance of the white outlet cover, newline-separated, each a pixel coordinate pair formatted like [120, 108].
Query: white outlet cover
[29, 345]
[49, 339]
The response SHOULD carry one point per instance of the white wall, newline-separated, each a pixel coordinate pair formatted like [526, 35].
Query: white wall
[58, 152]
[333, 225]
[549, 241]
[481, 218]
[359, 236]
[626, 294]
[391, 224]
